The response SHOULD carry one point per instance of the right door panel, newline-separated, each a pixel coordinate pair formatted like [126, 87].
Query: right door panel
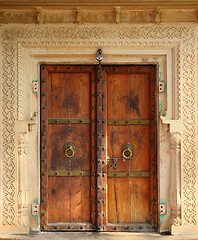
[131, 148]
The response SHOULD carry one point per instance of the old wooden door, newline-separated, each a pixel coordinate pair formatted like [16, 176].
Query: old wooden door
[98, 148]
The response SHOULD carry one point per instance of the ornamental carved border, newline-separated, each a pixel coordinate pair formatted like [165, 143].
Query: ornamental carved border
[181, 39]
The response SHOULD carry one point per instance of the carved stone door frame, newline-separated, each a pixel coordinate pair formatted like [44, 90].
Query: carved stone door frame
[25, 47]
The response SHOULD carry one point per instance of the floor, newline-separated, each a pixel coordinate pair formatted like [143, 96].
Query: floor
[99, 236]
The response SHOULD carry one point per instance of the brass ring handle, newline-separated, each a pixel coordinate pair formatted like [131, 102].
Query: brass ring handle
[69, 149]
[127, 150]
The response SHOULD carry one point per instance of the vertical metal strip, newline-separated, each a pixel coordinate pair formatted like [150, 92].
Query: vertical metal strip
[99, 142]
[104, 148]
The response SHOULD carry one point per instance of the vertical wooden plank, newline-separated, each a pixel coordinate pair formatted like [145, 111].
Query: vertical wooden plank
[104, 149]
[93, 149]
[99, 149]
[153, 148]
[44, 146]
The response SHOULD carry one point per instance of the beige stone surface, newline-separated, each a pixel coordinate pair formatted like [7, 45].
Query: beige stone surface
[99, 236]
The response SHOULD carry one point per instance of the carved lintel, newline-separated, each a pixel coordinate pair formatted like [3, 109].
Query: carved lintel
[157, 15]
[117, 15]
[39, 15]
[78, 15]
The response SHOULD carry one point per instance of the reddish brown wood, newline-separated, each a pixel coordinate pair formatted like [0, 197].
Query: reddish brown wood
[68, 199]
[97, 202]
[130, 96]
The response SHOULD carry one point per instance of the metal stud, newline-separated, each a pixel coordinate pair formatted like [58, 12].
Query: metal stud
[99, 147]
[44, 147]
[94, 213]
[104, 201]
[69, 227]
[44, 67]
[94, 186]
[81, 121]
[103, 148]
[94, 160]
[44, 200]
[103, 188]
[99, 160]
[44, 174]
[99, 174]
[99, 134]
[44, 213]
[44, 93]
[44, 160]
[103, 95]
[69, 68]
[44, 107]
[103, 134]
[104, 214]
[94, 200]
[44, 133]
[99, 228]
[99, 214]
[99, 121]
[99, 201]
[103, 161]
[56, 121]
[81, 227]
[93, 147]
[44, 227]
[103, 108]
[56, 68]
[140, 227]
[44, 187]
[44, 81]
[99, 187]
[93, 133]
[94, 174]
[103, 121]
[93, 107]
[44, 120]
[115, 228]
[103, 174]
[153, 108]
[103, 82]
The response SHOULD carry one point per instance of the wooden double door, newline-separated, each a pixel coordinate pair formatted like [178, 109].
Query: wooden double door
[98, 148]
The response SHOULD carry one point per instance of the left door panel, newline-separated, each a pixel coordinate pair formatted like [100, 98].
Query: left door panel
[67, 158]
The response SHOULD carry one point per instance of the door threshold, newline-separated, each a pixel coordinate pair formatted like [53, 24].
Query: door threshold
[98, 236]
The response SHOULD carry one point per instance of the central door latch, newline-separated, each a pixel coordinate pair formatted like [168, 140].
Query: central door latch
[69, 149]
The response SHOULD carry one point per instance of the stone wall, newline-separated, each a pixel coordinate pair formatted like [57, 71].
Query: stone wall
[172, 47]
